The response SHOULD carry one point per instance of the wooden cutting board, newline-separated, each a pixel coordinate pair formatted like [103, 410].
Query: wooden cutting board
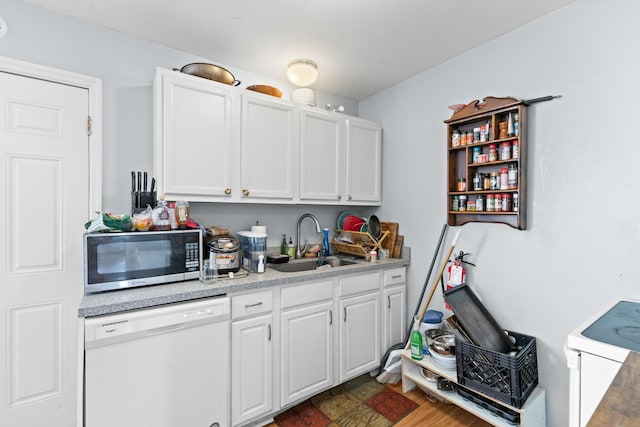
[389, 243]
[397, 249]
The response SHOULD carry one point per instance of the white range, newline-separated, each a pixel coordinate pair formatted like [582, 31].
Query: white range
[595, 352]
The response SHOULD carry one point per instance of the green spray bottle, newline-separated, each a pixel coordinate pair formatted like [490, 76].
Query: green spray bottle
[416, 340]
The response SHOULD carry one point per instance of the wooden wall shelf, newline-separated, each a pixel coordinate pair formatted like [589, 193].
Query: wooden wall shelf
[470, 159]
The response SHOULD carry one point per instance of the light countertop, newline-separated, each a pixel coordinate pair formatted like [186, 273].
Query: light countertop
[149, 296]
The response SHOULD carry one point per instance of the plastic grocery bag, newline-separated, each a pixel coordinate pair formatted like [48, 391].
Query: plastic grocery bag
[107, 223]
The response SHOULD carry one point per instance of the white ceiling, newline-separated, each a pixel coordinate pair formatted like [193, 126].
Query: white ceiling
[360, 46]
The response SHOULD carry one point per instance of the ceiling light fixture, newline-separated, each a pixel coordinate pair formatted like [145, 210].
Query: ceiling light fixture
[302, 72]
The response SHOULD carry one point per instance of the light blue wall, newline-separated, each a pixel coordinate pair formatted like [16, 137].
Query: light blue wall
[127, 66]
[580, 250]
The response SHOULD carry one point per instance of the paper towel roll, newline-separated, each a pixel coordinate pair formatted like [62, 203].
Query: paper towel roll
[259, 229]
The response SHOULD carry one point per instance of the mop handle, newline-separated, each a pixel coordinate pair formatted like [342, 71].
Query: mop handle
[440, 273]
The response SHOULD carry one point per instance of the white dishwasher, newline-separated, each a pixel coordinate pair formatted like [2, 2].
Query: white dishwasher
[162, 367]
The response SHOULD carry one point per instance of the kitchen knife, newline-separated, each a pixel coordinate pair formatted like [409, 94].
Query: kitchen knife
[144, 184]
[133, 182]
[153, 185]
[138, 200]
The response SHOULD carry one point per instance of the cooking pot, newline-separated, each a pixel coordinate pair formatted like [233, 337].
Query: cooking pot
[210, 71]
[225, 252]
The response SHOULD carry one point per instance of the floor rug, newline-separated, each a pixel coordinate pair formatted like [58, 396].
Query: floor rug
[359, 402]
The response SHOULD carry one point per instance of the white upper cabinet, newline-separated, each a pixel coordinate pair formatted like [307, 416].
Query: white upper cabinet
[269, 147]
[193, 137]
[321, 156]
[217, 143]
[363, 162]
[340, 159]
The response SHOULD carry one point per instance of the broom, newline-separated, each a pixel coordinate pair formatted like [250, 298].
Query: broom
[390, 365]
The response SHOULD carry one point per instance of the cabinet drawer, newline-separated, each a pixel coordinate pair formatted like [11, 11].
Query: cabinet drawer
[306, 293]
[251, 304]
[359, 284]
[395, 276]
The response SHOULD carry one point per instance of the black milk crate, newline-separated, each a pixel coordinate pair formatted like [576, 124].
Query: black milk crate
[504, 377]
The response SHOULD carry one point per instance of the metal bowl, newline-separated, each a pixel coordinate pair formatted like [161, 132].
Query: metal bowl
[429, 375]
[211, 72]
[267, 90]
[444, 344]
[430, 334]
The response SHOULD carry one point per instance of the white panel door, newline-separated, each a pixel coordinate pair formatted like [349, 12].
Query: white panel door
[321, 156]
[364, 162]
[269, 145]
[359, 333]
[44, 188]
[193, 150]
[394, 316]
[307, 351]
[251, 368]
[596, 375]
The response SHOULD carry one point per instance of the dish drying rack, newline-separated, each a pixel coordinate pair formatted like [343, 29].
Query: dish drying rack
[363, 243]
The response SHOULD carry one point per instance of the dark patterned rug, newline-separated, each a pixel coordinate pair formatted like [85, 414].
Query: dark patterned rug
[359, 402]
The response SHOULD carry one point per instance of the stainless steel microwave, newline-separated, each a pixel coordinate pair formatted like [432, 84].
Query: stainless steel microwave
[127, 260]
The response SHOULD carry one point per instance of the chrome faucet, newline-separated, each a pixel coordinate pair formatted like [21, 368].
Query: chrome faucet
[300, 253]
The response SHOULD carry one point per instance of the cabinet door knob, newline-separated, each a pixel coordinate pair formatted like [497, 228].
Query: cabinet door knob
[345, 314]
[227, 191]
[330, 317]
[269, 338]
[349, 197]
[388, 301]
[339, 196]
[245, 192]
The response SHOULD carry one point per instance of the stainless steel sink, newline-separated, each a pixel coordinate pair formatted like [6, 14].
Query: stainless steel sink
[311, 264]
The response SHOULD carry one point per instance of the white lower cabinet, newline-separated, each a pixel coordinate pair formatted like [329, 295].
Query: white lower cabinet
[359, 327]
[306, 358]
[295, 341]
[359, 349]
[394, 307]
[252, 357]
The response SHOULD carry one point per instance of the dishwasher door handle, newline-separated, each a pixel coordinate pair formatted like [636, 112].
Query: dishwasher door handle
[165, 329]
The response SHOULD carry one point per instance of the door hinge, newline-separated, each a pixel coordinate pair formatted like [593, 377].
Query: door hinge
[88, 125]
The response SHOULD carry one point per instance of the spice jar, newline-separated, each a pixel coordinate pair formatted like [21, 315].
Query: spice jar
[491, 202]
[477, 181]
[506, 202]
[471, 205]
[493, 152]
[480, 203]
[462, 203]
[516, 149]
[515, 202]
[463, 139]
[494, 183]
[455, 204]
[462, 184]
[486, 184]
[476, 154]
[512, 180]
[504, 179]
[505, 151]
[476, 135]
[455, 138]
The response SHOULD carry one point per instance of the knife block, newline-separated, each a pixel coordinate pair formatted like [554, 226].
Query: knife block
[142, 199]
